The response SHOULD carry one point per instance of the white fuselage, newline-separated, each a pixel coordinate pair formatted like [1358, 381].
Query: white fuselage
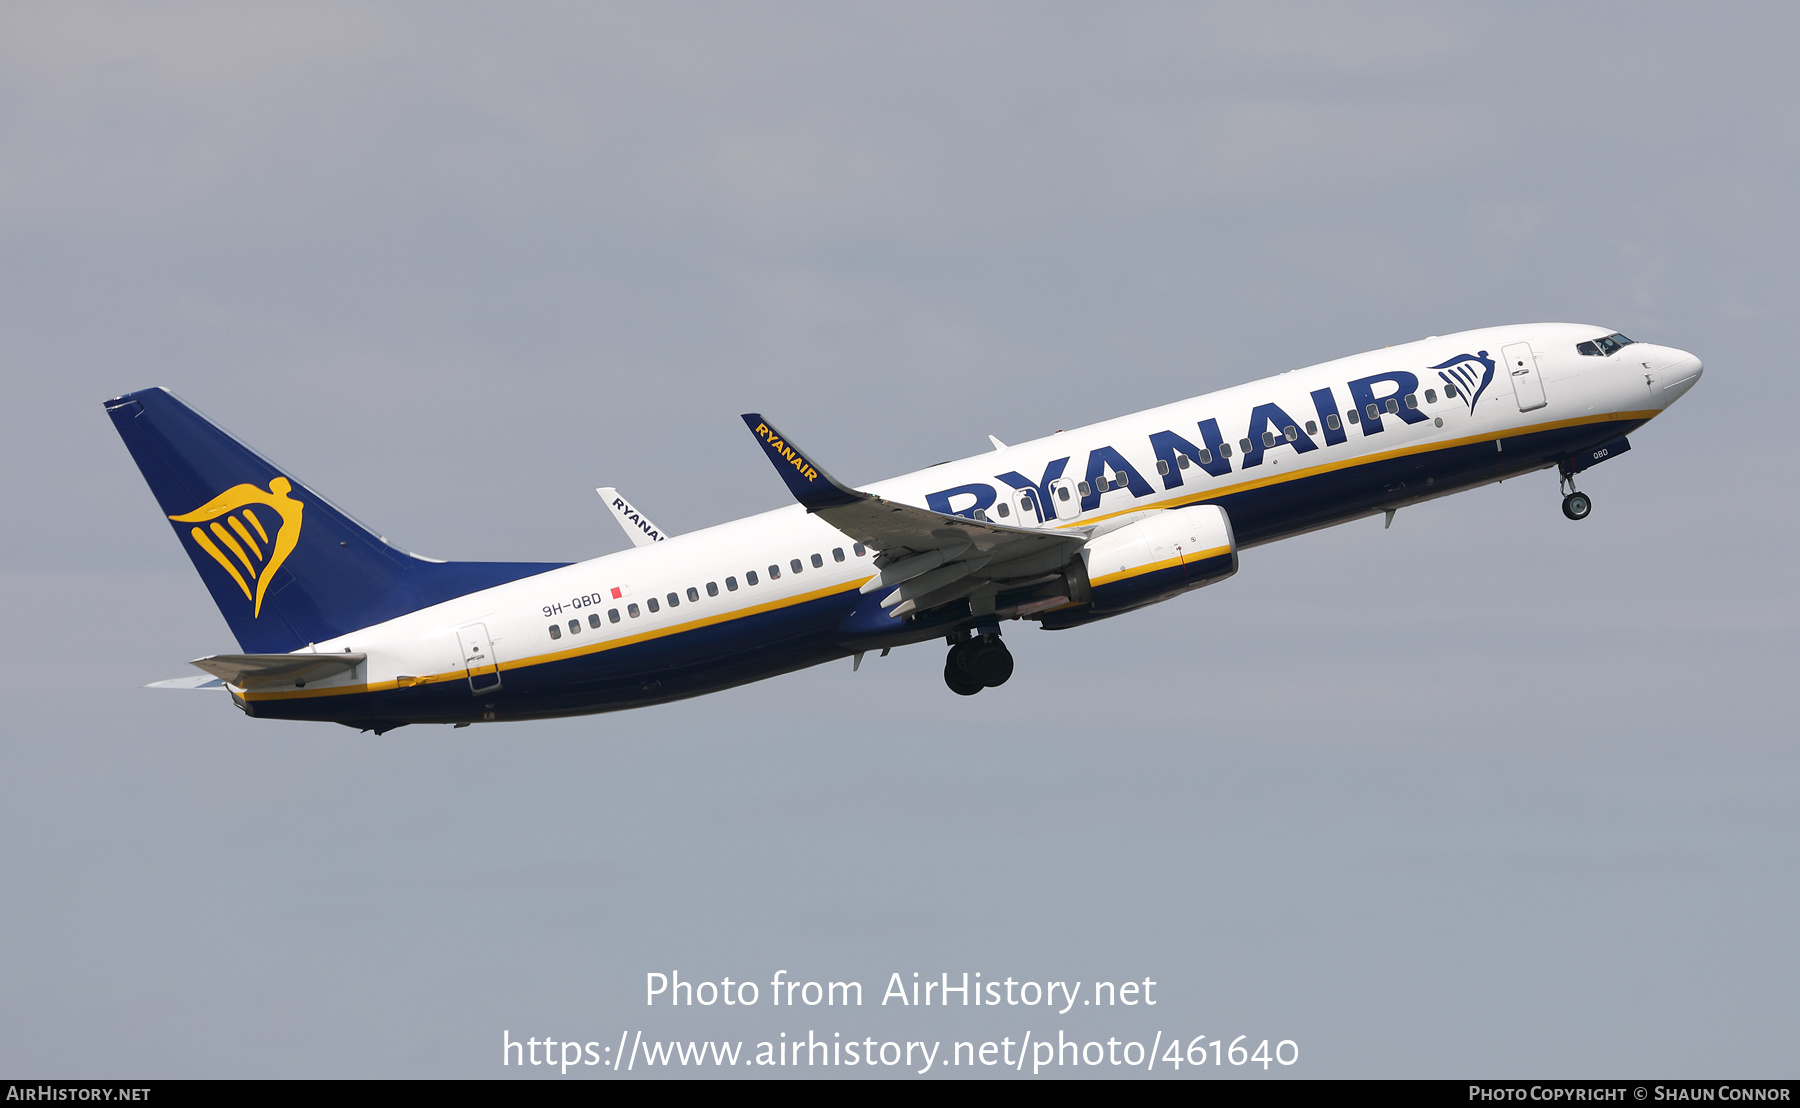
[1623, 388]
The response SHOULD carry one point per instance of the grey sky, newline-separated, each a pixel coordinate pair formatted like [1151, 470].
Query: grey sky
[1488, 793]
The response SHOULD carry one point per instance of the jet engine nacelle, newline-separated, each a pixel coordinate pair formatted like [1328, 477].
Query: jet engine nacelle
[1159, 556]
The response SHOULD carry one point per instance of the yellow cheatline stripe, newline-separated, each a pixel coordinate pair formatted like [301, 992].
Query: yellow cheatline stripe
[540, 659]
[1346, 463]
[218, 556]
[1166, 563]
[225, 537]
[244, 533]
[256, 523]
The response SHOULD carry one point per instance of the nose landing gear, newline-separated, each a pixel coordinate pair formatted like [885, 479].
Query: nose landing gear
[977, 663]
[1576, 505]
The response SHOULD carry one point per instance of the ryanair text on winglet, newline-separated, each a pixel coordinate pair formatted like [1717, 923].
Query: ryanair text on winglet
[787, 452]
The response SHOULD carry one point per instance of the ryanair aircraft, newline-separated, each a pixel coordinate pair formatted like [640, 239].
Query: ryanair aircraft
[337, 625]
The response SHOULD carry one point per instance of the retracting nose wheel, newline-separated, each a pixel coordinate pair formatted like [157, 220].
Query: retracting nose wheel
[976, 664]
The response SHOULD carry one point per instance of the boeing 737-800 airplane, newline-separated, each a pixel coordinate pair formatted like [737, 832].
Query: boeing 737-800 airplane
[1074, 527]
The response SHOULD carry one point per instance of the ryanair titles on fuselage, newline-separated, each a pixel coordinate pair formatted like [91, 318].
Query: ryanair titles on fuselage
[1373, 398]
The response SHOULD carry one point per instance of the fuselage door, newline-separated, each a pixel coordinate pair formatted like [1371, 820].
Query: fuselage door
[478, 658]
[1025, 508]
[1064, 499]
[1521, 366]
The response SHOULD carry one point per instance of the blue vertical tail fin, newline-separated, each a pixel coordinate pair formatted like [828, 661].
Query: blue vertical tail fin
[285, 567]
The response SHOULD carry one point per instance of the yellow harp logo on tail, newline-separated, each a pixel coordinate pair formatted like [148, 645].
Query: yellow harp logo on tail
[258, 545]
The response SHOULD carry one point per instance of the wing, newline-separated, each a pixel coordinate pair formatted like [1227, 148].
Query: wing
[934, 558]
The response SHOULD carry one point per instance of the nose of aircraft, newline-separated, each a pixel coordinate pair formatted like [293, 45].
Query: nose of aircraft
[1671, 373]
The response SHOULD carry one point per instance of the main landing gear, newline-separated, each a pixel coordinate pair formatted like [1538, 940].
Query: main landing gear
[1576, 505]
[980, 662]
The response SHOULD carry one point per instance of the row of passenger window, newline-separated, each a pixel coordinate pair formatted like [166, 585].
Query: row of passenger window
[632, 611]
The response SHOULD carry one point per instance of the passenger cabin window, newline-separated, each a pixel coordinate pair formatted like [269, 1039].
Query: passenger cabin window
[1373, 411]
[1290, 433]
[652, 605]
[1224, 451]
[1351, 415]
[632, 610]
[674, 600]
[555, 631]
[612, 615]
[1333, 422]
[1268, 439]
[1244, 445]
[1182, 461]
[837, 553]
[1431, 396]
[1062, 492]
[693, 593]
[1162, 466]
[1081, 488]
[1412, 399]
[1449, 392]
[980, 517]
[712, 588]
[1311, 427]
[574, 627]
[1001, 508]
[1393, 406]
[774, 573]
[1206, 456]
[594, 621]
[794, 564]
[859, 549]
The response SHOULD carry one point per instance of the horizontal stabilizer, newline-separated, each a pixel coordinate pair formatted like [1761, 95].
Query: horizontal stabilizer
[257, 671]
[200, 682]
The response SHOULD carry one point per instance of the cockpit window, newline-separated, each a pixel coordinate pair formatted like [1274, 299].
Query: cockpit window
[1601, 347]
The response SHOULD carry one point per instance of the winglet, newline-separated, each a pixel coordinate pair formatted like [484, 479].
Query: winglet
[638, 527]
[811, 485]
